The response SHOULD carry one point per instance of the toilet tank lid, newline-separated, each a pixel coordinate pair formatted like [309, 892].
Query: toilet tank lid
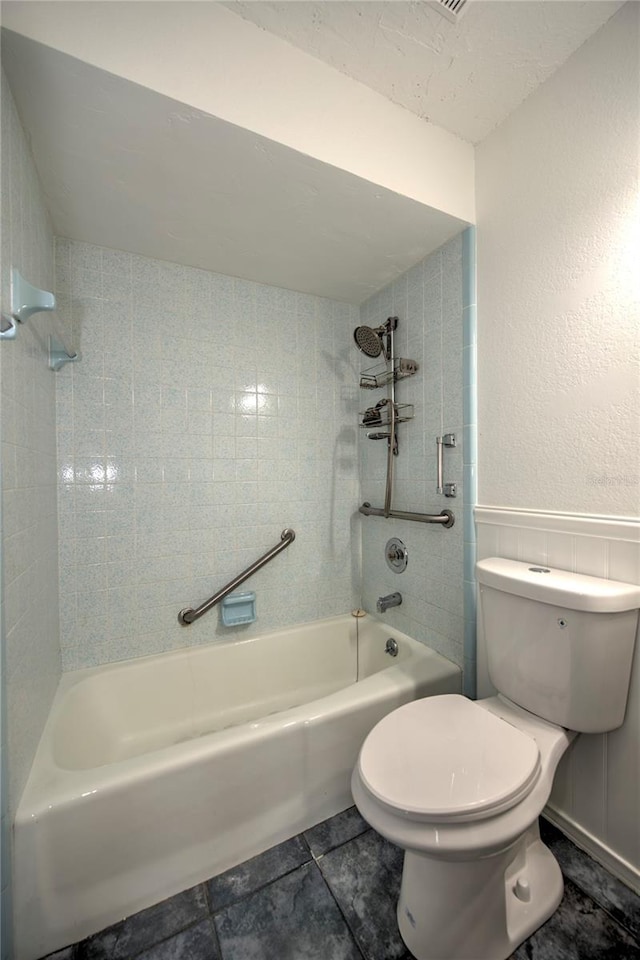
[574, 591]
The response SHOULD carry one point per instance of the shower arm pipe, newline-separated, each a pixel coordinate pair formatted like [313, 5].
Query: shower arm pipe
[189, 615]
[445, 519]
[392, 441]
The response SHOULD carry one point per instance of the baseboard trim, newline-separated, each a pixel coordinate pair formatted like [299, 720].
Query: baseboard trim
[610, 860]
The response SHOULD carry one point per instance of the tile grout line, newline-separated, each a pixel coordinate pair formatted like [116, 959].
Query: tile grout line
[619, 923]
[594, 895]
[616, 921]
[158, 943]
[257, 889]
[605, 908]
[311, 862]
[337, 903]
[207, 897]
[338, 845]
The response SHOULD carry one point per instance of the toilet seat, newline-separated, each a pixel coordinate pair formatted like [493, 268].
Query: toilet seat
[445, 759]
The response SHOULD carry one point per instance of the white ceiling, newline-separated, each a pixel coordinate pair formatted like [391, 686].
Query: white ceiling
[466, 77]
[124, 166]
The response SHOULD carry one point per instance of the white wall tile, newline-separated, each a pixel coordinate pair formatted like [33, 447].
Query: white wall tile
[27, 398]
[431, 609]
[206, 435]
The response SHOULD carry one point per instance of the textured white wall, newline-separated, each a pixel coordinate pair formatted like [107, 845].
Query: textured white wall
[558, 288]
[559, 382]
[198, 53]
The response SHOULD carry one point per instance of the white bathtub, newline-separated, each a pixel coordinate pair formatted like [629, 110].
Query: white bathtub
[155, 774]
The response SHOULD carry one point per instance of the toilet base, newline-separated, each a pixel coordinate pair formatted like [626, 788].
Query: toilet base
[478, 909]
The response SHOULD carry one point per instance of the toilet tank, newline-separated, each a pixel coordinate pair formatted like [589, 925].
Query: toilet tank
[559, 644]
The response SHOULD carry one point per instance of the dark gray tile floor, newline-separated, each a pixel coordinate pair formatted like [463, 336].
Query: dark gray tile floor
[330, 894]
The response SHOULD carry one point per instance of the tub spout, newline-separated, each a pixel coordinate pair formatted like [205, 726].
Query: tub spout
[391, 600]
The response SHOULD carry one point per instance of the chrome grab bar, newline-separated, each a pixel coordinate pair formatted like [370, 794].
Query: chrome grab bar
[189, 615]
[448, 440]
[446, 518]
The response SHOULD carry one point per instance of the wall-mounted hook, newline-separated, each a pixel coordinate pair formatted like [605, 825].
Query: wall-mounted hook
[27, 299]
[59, 355]
[8, 327]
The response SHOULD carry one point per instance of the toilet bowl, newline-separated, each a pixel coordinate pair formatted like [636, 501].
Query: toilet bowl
[459, 785]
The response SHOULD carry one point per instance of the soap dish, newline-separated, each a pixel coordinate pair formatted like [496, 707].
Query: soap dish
[239, 608]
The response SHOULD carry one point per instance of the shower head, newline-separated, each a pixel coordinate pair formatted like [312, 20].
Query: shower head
[368, 340]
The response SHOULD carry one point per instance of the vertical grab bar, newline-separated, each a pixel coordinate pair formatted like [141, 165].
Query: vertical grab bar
[447, 440]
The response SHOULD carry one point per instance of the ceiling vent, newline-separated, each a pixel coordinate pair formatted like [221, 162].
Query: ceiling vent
[451, 9]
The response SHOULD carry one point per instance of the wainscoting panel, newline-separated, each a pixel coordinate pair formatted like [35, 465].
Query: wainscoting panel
[596, 795]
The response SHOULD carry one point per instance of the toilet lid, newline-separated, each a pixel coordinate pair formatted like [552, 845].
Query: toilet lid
[445, 758]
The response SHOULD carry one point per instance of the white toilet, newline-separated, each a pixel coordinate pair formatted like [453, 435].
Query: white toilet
[460, 784]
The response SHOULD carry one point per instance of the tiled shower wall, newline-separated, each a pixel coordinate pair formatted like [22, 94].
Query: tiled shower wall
[205, 416]
[30, 641]
[428, 300]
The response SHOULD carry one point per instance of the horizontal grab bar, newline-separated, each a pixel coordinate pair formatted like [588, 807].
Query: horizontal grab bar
[189, 615]
[446, 518]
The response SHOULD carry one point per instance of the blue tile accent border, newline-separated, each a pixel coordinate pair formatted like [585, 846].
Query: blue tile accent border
[6, 889]
[468, 326]
[469, 289]
[470, 450]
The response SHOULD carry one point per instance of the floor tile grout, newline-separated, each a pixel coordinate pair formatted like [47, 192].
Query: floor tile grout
[618, 921]
[257, 889]
[216, 938]
[339, 906]
[604, 906]
[338, 845]
[355, 880]
[595, 895]
[175, 933]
